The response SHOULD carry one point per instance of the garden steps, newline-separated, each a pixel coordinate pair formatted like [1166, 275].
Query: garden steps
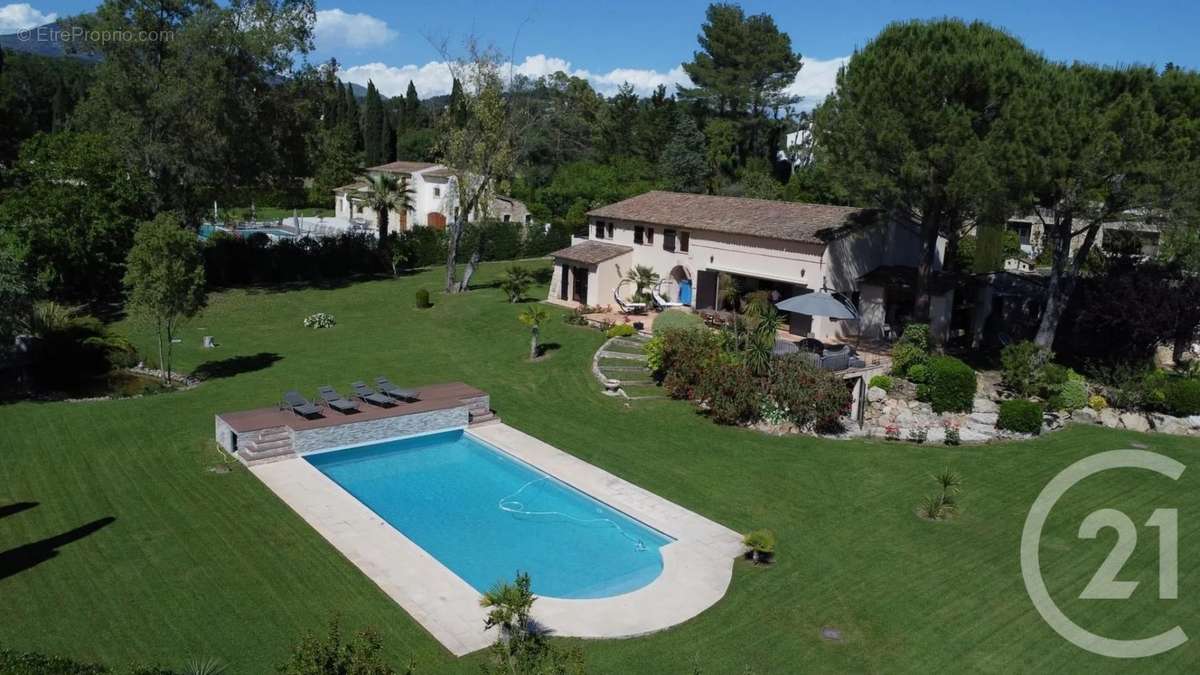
[624, 356]
[265, 444]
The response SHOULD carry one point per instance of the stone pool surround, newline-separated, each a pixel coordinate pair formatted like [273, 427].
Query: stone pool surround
[697, 566]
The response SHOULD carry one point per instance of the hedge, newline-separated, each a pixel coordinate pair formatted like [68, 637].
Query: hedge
[1181, 397]
[951, 385]
[1021, 416]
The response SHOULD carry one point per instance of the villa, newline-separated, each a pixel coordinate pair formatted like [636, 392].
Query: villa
[785, 248]
[434, 187]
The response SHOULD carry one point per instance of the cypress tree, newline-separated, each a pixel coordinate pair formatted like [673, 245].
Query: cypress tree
[373, 124]
[411, 108]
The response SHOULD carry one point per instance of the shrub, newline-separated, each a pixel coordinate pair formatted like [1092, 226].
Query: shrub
[1021, 415]
[1022, 366]
[951, 385]
[422, 299]
[905, 357]
[761, 544]
[331, 653]
[515, 282]
[1182, 397]
[731, 392]
[953, 434]
[1097, 402]
[620, 330]
[1072, 394]
[319, 320]
[911, 349]
[884, 382]
[812, 398]
[918, 435]
[686, 353]
[918, 373]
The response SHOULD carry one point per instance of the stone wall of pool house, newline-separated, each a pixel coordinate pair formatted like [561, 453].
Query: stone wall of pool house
[357, 433]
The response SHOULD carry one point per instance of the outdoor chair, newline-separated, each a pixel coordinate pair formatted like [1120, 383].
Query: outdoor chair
[365, 393]
[629, 307]
[299, 405]
[386, 386]
[335, 400]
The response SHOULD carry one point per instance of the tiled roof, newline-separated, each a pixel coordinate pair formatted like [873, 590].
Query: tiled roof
[791, 221]
[402, 167]
[591, 252]
[352, 187]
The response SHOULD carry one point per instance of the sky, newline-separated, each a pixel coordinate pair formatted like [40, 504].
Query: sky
[644, 42]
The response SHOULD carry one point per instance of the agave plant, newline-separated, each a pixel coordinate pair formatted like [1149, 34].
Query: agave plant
[204, 666]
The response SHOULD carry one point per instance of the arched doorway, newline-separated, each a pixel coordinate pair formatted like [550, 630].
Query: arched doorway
[681, 285]
[436, 220]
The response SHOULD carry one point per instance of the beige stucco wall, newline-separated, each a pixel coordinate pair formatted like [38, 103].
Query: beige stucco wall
[606, 277]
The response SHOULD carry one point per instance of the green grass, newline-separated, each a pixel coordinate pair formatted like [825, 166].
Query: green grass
[676, 318]
[625, 348]
[214, 565]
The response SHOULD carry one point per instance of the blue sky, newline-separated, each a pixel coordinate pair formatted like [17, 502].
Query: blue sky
[645, 41]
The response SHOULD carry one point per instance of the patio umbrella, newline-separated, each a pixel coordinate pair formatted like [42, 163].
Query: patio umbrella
[819, 303]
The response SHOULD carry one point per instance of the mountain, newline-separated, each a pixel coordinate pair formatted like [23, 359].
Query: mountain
[52, 40]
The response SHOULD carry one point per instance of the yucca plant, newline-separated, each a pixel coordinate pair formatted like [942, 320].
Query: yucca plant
[935, 507]
[204, 666]
[950, 481]
[50, 317]
[534, 317]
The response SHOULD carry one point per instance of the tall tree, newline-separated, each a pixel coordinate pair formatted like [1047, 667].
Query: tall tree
[411, 110]
[742, 70]
[198, 110]
[683, 166]
[373, 127]
[479, 147]
[164, 277]
[908, 126]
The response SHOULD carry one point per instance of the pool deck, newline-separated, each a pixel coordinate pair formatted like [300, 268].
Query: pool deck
[697, 566]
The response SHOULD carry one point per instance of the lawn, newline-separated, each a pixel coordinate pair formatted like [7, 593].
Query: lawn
[134, 551]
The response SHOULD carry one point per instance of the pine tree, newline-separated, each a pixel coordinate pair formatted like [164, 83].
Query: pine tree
[683, 166]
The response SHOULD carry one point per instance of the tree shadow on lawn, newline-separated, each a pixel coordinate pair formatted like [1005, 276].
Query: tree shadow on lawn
[15, 507]
[235, 365]
[17, 560]
[328, 284]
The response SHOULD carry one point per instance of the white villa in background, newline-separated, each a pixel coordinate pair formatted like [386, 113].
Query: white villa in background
[784, 248]
[434, 187]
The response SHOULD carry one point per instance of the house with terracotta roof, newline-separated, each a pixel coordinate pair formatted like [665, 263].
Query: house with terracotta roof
[696, 243]
[434, 189]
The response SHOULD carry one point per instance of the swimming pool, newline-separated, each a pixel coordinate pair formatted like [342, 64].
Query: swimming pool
[486, 515]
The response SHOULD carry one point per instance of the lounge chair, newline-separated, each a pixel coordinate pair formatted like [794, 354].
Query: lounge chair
[662, 303]
[335, 400]
[386, 386]
[296, 403]
[365, 393]
[627, 306]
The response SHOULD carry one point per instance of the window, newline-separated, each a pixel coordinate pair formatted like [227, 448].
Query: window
[610, 231]
[599, 230]
[528, 218]
[684, 239]
[668, 240]
[437, 191]
[650, 235]
[639, 234]
[507, 217]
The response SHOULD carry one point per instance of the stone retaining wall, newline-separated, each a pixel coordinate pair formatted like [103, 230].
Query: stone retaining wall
[355, 433]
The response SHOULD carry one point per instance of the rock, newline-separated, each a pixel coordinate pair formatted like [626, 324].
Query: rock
[1086, 415]
[1110, 418]
[984, 405]
[921, 408]
[937, 435]
[876, 394]
[973, 434]
[1166, 424]
[1193, 421]
[1135, 421]
[988, 419]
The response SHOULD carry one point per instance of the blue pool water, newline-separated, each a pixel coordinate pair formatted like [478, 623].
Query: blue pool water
[486, 515]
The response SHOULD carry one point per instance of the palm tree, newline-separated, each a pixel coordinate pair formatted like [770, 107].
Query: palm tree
[730, 294]
[515, 282]
[385, 193]
[508, 606]
[534, 316]
[641, 276]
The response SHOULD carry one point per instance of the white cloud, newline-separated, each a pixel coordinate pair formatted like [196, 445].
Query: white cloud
[20, 16]
[815, 81]
[338, 29]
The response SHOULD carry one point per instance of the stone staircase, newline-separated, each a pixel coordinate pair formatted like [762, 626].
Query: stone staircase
[268, 444]
[620, 364]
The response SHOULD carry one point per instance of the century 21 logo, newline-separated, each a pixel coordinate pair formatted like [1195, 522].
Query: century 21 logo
[1104, 584]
